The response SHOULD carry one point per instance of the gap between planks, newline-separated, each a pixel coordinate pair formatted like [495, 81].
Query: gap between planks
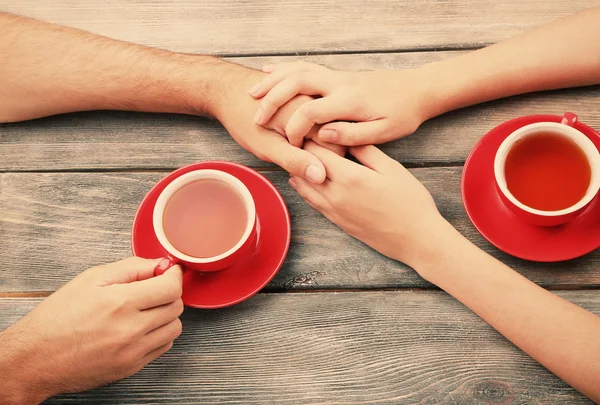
[411, 165]
[440, 48]
[558, 288]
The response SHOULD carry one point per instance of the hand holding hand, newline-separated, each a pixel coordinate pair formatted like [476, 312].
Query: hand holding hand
[104, 325]
[235, 111]
[357, 108]
[380, 203]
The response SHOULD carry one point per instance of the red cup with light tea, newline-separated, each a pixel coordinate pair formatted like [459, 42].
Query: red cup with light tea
[205, 220]
[547, 173]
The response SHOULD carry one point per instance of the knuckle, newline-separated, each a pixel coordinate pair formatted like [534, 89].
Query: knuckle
[298, 79]
[349, 178]
[177, 328]
[174, 289]
[130, 356]
[125, 334]
[118, 302]
[269, 103]
[93, 272]
[336, 200]
[261, 154]
[168, 347]
[352, 180]
[292, 163]
[306, 112]
[179, 307]
[350, 137]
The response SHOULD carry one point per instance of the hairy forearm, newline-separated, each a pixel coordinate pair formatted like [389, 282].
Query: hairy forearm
[560, 335]
[48, 69]
[18, 370]
[564, 53]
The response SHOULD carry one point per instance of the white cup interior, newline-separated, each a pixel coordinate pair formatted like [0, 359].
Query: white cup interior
[191, 177]
[571, 133]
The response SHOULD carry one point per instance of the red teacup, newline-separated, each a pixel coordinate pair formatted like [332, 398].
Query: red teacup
[567, 130]
[242, 250]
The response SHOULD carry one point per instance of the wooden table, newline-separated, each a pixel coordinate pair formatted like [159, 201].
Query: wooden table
[340, 324]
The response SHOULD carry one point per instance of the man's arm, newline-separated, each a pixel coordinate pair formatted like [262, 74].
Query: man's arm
[49, 69]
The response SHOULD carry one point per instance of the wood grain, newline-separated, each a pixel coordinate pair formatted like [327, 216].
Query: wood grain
[298, 26]
[54, 225]
[336, 348]
[117, 140]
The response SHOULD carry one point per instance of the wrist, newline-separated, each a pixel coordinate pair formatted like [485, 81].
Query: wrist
[444, 87]
[435, 249]
[426, 86]
[231, 87]
[20, 383]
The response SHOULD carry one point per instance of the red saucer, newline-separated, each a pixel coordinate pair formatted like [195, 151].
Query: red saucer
[501, 227]
[237, 283]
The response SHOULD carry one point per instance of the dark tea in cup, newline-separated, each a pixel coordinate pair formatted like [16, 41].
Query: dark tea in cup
[547, 171]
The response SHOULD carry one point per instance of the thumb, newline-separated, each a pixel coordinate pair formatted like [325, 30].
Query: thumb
[296, 161]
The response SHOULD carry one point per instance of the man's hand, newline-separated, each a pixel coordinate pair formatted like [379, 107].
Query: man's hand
[235, 109]
[104, 325]
[360, 107]
[380, 203]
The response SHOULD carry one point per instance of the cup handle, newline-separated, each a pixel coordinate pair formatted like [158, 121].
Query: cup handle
[165, 264]
[569, 119]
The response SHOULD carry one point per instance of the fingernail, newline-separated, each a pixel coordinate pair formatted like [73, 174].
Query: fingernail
[328, 135]
[292, 182]
[254, 89]
[258, 116]
[313, 173]
[162, 266]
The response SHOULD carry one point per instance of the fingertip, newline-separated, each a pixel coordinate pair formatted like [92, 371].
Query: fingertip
[268, 68]
[315, 173]
[253, 91]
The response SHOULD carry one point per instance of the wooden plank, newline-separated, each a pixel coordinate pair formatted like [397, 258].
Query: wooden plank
[298, 26]
[54, 225]
[337, 348]
[116, 140]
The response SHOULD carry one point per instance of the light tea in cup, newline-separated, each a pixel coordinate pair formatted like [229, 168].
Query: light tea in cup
[547, 171]
[205, 218]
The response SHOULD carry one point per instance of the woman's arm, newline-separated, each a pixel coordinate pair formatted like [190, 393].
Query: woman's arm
[383, 205]
[561, 336]
[379, 106]
[564, 53]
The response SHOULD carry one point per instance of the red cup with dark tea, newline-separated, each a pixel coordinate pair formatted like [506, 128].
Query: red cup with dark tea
[547, 173]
